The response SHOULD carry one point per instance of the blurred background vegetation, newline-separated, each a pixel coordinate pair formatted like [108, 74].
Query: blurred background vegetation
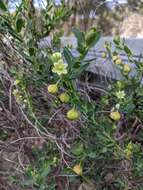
[123, 17]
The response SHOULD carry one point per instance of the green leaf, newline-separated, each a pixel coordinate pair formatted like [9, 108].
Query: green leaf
[29, 182]
[19, 24]
[3, 6]
[14, 35]
[79, 35]
[70, 59]
[92, 37]
[46, 171]
[7, 26]
[31, 51]
[79, 70]
[92, 155]
[127, 50]
[80, 40]
[104, 150]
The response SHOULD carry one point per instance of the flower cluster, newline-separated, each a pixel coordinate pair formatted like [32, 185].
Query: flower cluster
[61, 68]
[126, 68]
[117, 60]
[72, 114]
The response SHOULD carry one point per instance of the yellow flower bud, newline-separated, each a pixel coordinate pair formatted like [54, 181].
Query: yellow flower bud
[15, 92]
[118, 61]
[126, 68]
[90, 36]
[115, 115]
[53, 88]
[128, 154]
[17, 95]
[77, 169]
[73, 114]
[64, 97]
[104, 55]
[120, 84]
[129, 150]
[114, 57]
[16, 82]
[56, 56]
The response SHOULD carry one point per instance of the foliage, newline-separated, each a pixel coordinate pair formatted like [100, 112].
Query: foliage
[77, 137]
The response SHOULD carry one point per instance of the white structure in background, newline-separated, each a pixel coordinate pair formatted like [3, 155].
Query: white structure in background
[105, 68]
[132, 26]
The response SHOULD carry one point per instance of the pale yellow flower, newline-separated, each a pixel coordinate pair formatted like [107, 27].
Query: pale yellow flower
[60, 68]
[53, 88]
[115, 115]
[77, 169]
[120, 94]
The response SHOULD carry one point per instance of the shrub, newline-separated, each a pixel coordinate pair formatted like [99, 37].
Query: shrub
[96, 141]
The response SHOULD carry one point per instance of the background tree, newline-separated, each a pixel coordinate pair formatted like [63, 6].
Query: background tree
[101, 15]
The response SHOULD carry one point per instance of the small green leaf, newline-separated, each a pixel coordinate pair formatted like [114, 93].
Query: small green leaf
[8, 27]
[70, 59]
[127, 50]
[80, 40]
[92, 155]
[14, 35]
[19, 24]
[92, 37]
[79, 35]
[31, 51]
[46, 171]
[3, 6]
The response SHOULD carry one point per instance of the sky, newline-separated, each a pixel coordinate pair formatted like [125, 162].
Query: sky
[119, 1]
[42, 3]
[111, 3]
